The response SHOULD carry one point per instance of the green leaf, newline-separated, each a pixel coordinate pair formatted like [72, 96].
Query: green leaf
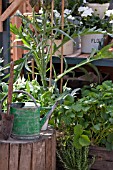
[87, 132]
[110, 138]
[27, 87]
[4, 87]
[22, 47]
[104, 116]
[72, 115]
[77, 107]
[86, 108]
[78, 130]
[108, 146]
[69, 100]
[84, 140]
[103, 53]
[79, 114]
[97, 126]
[76, 142]
[66, 119]
[111, 120]
[1, 96]
[66, 107]
[1, 49]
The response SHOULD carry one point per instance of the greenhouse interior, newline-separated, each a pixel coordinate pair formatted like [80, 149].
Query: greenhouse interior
[56, 84]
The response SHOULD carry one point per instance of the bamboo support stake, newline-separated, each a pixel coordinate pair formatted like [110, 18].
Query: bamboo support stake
[62, 58]
[1, 24]
[51, 46]
[32, 65]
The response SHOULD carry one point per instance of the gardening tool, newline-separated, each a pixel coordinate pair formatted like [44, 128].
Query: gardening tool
[27, 121]
[6, 122]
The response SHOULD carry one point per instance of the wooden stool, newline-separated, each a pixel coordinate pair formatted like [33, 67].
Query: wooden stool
[39, 154]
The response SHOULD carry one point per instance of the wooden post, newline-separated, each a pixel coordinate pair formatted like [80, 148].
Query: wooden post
[1, 24]
[10, 10]
[51, 46]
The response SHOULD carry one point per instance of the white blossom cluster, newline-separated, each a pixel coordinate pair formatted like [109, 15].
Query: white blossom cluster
[85, 11]
[67, 13]
[109, 13]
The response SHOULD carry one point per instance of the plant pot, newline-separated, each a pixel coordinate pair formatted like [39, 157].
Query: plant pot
[67, 47]
[103, 158]
[90, 41]
[99, 9]
[77, 39]
[77, 45]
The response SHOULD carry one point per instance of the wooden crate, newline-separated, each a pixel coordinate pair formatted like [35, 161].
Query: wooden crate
[103, 158]
[39, 154]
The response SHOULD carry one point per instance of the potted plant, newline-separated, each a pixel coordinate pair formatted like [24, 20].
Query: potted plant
[100, 26]
[99, 7]
[35, 33]
[71, 6]
[87, 120]
[69, 28]
[96, 106]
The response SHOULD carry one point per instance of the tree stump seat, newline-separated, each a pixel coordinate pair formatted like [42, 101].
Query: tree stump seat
[38, 154]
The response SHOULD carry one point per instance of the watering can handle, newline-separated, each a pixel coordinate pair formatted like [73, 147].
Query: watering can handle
[19, 91]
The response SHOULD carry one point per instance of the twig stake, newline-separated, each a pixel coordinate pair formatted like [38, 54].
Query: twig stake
[62, 26]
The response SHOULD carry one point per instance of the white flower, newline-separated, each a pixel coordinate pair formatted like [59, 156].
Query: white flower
[111, 22]
[67, 11]
[82, 9]
[81, 23]
[84, 1]
[39, 20]
[57, 14]
[109, 13]
[87, 12]
[71, 17]
[55, 11]
[41, 11]
[18, 13]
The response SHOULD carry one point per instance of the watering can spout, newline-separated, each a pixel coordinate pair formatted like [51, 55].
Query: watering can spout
[45, 119]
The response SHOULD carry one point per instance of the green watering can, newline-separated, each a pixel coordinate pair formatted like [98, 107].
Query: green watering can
[27, 122]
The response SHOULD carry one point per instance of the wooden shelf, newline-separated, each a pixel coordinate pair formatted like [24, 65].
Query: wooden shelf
[78, 57]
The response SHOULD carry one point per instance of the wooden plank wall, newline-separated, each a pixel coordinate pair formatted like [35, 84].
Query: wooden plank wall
[16, 53]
